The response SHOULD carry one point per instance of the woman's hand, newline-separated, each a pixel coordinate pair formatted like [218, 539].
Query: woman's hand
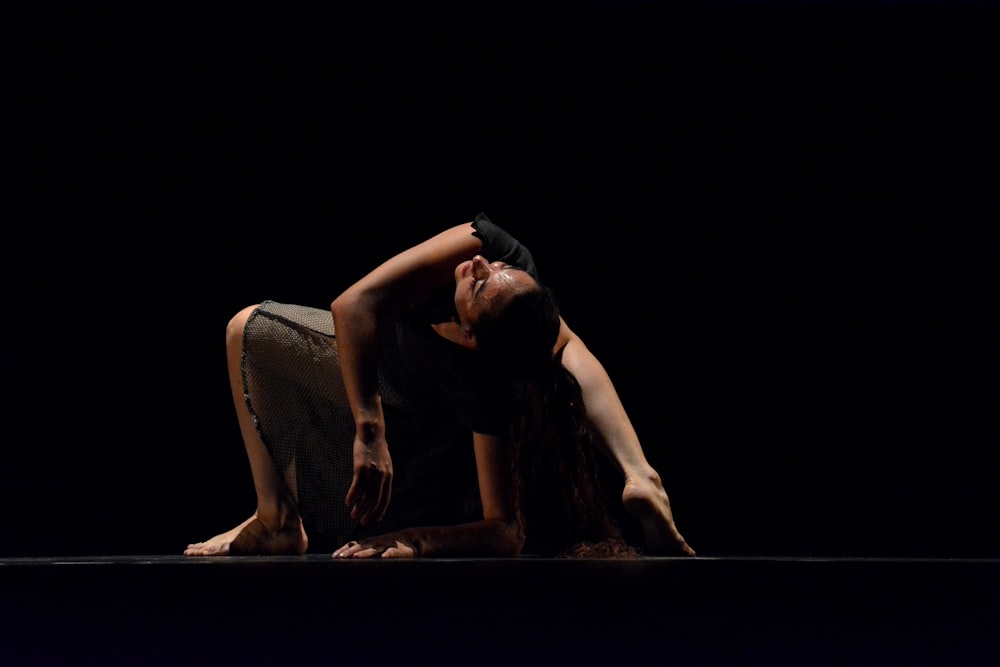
[381, 547]
[371, 489]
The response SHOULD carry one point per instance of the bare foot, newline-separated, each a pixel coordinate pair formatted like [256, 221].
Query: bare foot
[646, 500]
[252, 538]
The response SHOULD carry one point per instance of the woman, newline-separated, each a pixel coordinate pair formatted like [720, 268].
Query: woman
[451, 340]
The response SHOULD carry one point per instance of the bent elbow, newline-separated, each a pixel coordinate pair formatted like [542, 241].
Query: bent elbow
[340, 304]
[346, 307]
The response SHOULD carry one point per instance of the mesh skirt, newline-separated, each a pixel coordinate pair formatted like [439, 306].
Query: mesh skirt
[295, 393]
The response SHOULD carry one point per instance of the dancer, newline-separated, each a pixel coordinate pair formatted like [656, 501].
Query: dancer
[440, 407]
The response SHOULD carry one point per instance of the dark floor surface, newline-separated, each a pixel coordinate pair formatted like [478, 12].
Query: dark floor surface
[169, 610]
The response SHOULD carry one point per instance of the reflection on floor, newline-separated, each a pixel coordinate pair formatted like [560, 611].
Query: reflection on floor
[171, 610]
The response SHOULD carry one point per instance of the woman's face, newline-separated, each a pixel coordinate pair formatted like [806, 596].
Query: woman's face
[481, 286]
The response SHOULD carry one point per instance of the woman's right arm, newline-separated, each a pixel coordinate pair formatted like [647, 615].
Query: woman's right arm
[399, 283]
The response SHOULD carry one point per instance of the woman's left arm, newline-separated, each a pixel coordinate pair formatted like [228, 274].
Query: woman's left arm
[643, 496]
[604, 407]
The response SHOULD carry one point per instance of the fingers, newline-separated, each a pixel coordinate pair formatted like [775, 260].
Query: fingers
[370, 505]
[380, 508]
[357, 495]
[369, 495]
[686, 548]
[352, 493]
[353, 550]
[356, 549]
[400, 550]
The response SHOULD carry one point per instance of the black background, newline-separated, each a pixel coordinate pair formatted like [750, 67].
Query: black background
[773, 222]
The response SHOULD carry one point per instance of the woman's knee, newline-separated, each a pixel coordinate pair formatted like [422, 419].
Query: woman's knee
[238, 323]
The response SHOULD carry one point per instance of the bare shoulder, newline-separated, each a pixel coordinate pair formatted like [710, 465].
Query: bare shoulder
[566, 336]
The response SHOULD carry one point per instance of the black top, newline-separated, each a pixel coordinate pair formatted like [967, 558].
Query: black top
[440, 379]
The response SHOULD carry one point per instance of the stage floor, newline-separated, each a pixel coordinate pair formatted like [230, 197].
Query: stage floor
[172, 610]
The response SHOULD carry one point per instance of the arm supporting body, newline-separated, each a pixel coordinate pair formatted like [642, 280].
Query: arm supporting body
[498, 535]
[643, 495]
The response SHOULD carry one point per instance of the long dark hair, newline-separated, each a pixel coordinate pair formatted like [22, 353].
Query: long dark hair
[555, 453]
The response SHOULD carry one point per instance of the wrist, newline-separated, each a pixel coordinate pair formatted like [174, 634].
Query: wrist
[369, 422]
[368, 432]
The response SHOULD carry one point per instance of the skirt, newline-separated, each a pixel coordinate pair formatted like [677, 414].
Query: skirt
[295, 393]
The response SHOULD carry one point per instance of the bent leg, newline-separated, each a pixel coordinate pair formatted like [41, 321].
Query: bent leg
[275, 527]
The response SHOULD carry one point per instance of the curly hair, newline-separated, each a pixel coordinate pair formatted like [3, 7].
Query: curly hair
[554, 454]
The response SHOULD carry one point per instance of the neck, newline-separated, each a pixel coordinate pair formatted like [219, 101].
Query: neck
[453, 332]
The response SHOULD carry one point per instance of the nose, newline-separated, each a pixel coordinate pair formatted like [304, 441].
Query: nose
[482, 268]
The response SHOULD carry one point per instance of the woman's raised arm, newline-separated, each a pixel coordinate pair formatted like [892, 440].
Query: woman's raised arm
[397, 284]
